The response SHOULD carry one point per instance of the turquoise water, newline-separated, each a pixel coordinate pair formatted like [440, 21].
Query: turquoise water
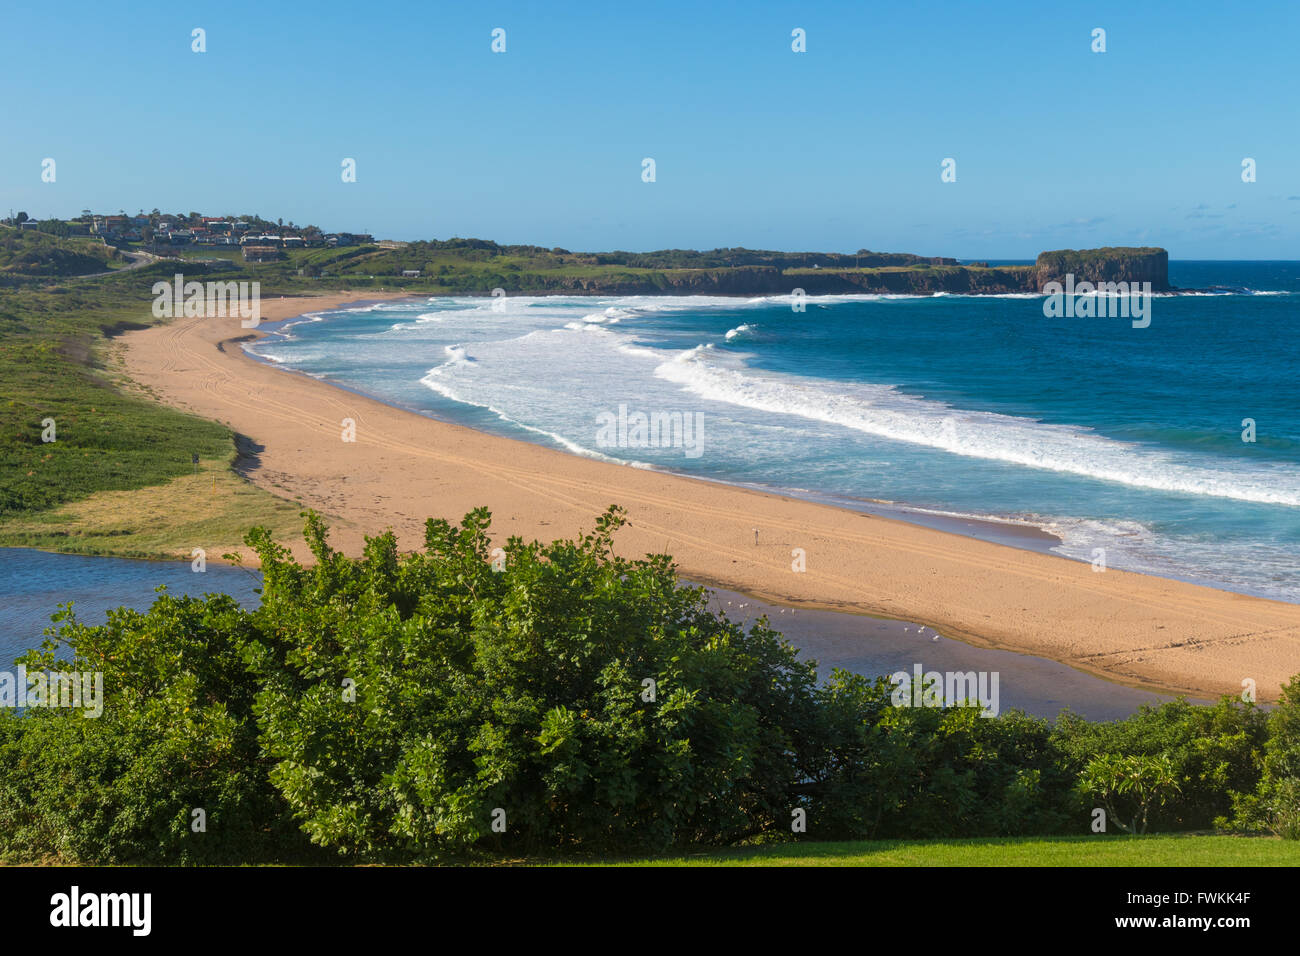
[1108, 436]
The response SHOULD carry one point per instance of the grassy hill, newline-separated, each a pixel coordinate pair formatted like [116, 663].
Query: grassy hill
[27, 252]
[478, 266]
[83, 491]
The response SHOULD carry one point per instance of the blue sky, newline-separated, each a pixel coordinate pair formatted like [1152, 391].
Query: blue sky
[838, 148]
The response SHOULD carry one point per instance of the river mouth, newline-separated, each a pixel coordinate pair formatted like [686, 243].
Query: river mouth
[33, 584]
[874, 647]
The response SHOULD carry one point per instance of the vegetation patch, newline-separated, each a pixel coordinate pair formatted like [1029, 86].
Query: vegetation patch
[557, 700]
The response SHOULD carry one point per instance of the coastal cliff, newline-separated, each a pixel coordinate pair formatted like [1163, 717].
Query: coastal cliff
[478, 266]
[922, 277]
[1111, 264]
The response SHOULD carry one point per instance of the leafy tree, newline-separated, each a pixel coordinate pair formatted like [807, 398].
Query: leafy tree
[1135, 783]
[580, 699]
[176, 734]
[1276, 805]
[1215, 752]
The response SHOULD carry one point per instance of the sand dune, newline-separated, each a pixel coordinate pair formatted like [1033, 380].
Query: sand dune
[404, 467]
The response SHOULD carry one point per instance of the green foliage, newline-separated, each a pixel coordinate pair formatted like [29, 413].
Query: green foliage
[176, 734]
[47, 252]
[394, 707]
[1276, 805]
[105, 438]
[1214, 753]
[1136, 783]
[521, 689]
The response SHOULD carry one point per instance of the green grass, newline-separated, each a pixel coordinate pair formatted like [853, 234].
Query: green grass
[51, 363]
[85, 491]
[1095, 850]
[26, 252]
[212, 508]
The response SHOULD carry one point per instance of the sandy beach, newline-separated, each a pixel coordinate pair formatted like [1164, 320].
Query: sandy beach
[404, 467]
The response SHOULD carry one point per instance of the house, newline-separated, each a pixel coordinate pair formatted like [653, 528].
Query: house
[254, 253]
[108, 225]
[293, 242]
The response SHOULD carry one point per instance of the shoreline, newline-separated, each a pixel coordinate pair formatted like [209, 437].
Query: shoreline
[1134, 629]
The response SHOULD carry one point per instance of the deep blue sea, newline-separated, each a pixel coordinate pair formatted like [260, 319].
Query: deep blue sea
[1105, 435]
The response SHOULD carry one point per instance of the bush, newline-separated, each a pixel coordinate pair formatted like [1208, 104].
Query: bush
[1214, 754]
[554, 699]
[1276, 806]
[411, 702]
[176, 734]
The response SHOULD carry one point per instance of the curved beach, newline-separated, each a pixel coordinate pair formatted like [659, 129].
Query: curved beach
[404, 467]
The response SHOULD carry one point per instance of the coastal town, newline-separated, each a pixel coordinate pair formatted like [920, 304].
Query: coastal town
[259, 239]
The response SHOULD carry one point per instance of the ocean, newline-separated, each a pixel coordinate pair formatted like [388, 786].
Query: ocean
[1125, 444]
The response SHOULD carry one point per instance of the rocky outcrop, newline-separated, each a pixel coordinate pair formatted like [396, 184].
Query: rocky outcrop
[1110, 264]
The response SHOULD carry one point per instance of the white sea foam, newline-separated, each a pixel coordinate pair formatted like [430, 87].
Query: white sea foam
[547, 366]
[884, 411]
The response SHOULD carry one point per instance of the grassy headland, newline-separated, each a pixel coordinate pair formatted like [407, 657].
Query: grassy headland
[476, 267]
[82, 491]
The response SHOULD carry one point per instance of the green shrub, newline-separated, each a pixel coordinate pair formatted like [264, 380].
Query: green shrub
[522, 691]
[394, 707]
[176, 734]
[1214, 753]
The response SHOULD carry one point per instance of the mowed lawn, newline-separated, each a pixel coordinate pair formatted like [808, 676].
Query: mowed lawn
[1098, 850]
